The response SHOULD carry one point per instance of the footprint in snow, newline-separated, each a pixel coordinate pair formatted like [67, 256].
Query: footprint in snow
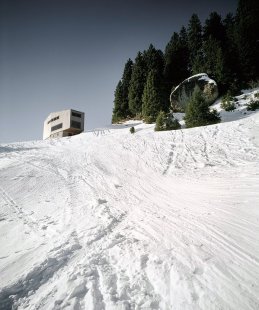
[198, 271]
[143, 261]
[2, 257]
[102, 201]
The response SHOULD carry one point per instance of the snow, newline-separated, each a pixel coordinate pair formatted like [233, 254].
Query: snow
[207, 79]
[151, 220]
[203, 76]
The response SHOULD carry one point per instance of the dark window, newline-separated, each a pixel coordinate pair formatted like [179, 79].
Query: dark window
[53, 119]
[76, 114]
[75, 124]
[56, 127]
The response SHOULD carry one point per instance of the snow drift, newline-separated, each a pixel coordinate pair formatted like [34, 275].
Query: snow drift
[111, 220]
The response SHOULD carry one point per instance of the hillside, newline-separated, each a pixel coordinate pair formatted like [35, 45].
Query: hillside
[154, 220]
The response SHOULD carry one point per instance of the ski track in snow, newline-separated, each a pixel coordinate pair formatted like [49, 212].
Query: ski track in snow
[110, 220]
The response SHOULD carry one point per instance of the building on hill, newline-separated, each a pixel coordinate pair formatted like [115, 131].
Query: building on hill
[63, 123]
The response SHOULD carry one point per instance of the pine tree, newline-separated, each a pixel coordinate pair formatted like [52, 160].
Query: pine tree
[154, 60]
[160, 121]
[121, 102]
[172, 123]
[214, 61]
[194, 34]
[118, 112]
[215, 29]
[126, 77]
[232, 65]
[137, 83]
[151, 99]
[176, 59]
[247, 38]
[166, 122]
[198, 113]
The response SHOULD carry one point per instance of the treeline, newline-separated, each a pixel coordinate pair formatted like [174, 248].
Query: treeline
[226, 49]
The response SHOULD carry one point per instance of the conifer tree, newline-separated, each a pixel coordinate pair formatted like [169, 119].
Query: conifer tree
[232, 65]
[118, 112]
[215, 29]
[247, 38]
[214, 62]
[160, 121]
[194, 34]
[137, 83]
[176, 59]
[151, 99]
[198, 113]
[121, 102]
[154, 60]
[126, 77]
[166, 122]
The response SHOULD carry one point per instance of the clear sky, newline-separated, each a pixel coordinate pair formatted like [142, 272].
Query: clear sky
[59, 54]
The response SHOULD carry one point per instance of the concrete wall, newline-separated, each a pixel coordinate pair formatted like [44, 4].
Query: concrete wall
[65, 118]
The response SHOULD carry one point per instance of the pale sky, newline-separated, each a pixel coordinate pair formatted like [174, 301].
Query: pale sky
[60, 54]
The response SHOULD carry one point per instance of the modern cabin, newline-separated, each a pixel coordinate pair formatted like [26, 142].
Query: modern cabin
[63, 123]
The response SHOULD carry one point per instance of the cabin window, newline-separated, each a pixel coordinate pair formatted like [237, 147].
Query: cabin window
[53, 128]
[75, 124]
[76, 114]
[53, 119]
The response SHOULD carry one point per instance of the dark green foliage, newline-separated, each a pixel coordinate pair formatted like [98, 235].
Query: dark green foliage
[121, 102]
[137, 84]
[151, 60]
[214, 28]
[152, 98]
[247, 25]
[172, 123]
[132, 130]
[228, 103]
[232, 66]
[177, 59]
[160, 121]
[198, 113]
[216, 47]
[118, 113]
[166, 122]
[254, 84]
[126, 77]
[154, 60]
[226, 49]
[253, 105]
[214, 62]
[194, 35]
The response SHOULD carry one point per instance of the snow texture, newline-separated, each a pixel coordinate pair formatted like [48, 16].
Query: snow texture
[151, 220]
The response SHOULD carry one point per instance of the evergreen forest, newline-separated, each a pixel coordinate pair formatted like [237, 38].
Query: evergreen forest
[224, 48]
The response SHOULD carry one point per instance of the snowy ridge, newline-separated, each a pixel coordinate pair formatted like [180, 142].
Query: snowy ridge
[111, 220]
[203, 76]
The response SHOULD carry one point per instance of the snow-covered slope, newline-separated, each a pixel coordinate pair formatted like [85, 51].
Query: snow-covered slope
[111, 220]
